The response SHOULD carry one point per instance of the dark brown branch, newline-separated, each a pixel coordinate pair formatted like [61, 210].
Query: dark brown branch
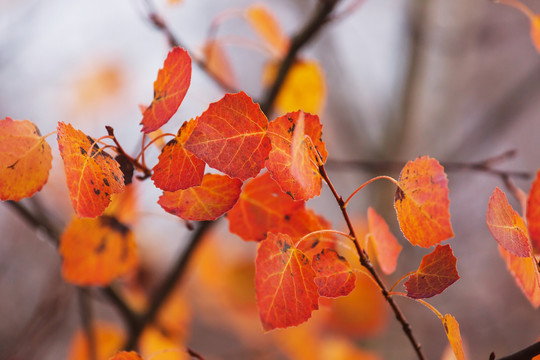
[526, 354]
[194, 354]
[87, 320]
[52, 233]
[365, 262]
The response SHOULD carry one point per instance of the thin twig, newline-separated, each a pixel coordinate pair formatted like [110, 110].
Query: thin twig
[526, 354]
[194, 354]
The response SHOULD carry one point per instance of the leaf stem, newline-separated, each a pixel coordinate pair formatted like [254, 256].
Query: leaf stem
[324, 231]
[141, 167]
[145, 147]
[369, 182]
[49, 134]
[425, 303]
[401, 279]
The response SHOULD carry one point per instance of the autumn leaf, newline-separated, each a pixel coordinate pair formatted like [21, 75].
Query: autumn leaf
[533, 213]
[437, 271]
[302, 170]
[451, 328]
[284, 282]
[155, 344]
[261, 207]
[177, 168]
[97, 251]
[92, 175]
[304, 87]
[108, 340]
[506, 226]
[280, 161]
[303, 222]
[170, 88]
[526, 274]
[533, 18]
[214, 197]
[218, 63]
[124, 355]
[334, 274]
[386, 246]
[422, 203]
[25, 159]
[231, 136]
[266, 26]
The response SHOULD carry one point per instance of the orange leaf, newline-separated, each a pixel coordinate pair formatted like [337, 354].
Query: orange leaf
[261, 206]
[266, 26]
[451, 328]
[422, 203]
[178, 169]
[92, 175]
[526, 274]
[108, 340]
[386, 246]
[284, 282]
[506, 226]
[280, 160]
[155, 344]
[301, 167]
[534, 19]
[437, 271]
[214, 197]
[231, 136]
[218, 63]
[97, 251]
[170, 88]
[302, 222]
[334, 274]
[124, 355]
[533, 213]
[25, 159]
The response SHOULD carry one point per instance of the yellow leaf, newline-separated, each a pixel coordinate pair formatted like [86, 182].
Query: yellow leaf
[266, 26]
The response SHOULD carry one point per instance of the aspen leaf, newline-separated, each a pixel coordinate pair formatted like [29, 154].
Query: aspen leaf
[97, 251]
[108, 340]
[218, 63]
[266, 26]
[422, 203]
[280, 161]
[386, 246]
[25, 159]
[526, 274]
[302, 169]
[177, 168]
[261, 206]
[303, 88]
[437, 271]
[214, 197]
[155, 344]
[231, 136]
[506, 226]
[334, 274]
[92, 175]
[124, 355]
[170, 88]
[533, 213]
[451, 328]
[284, 281]
[533, 18]
[303, 222]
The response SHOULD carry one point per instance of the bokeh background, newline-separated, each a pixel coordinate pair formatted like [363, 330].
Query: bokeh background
[457, 80]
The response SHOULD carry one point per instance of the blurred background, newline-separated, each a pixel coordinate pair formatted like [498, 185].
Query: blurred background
[456, 80]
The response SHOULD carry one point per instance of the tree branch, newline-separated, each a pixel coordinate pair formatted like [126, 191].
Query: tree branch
[526, 354]
[87, 320]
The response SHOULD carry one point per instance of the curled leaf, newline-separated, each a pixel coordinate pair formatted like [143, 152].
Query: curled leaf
[533, 213]
[386, 246]
[451, 328]
[267, 27]
[526, 274]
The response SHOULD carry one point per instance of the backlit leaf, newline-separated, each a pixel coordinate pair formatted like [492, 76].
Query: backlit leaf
[155, 344]
[386, 246]
[280, 160]
[303, 222]
[334, 274]
[170, 88]
[178, 169]
[437, 271]
[533, 18]
[214, 197]
[97, 251]
[304, 87]
[261, 206]
[422, 203]
[526, 274]
[231, 136]
[506, 225]
[124, 355]
[92, 175]
[284, 281]
[533, 213]
[218, 63]
[25, 159]
[451, 328]
[302, 170]
[267, 27]
[108, 340]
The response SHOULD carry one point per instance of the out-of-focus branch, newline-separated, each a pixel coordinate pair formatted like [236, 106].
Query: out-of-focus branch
[87, 320]
[526, 354]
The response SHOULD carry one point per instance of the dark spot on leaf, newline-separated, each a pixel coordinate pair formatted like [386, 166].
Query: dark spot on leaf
[113, 223]
[97, 191]
[290, 119]
[126, 167]
[315, 243]
[102, 245]
[291, 129]
[287, 217]
[290, 194]
[400, 195]
[106, 182]
[12, 166]
[82, 151]
[285, 247]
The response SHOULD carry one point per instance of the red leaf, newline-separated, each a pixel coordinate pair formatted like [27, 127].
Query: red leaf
[231, 136]
[170, 88]
[506, 226]
[124, 355]
[214, 197]
[178, 169]
[526, 274]
[283, 165]
[437, 271]
[422, 203]
[92, 175]
[334, 274]
[385, 243]
[25, 159]
[533, 213]
[284, 281]
[262, 205]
